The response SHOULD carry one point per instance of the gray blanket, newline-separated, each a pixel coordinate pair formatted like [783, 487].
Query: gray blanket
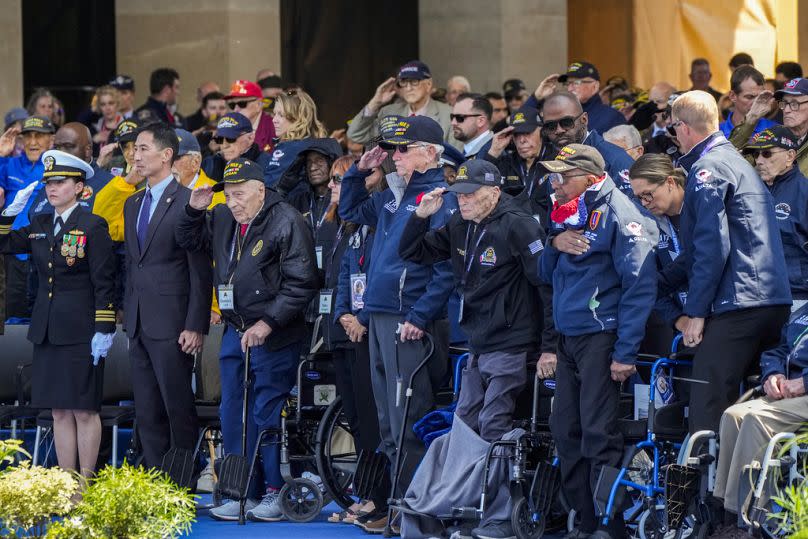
[451, 475]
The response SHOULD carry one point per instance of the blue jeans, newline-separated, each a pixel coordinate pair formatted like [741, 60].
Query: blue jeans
[273, 375]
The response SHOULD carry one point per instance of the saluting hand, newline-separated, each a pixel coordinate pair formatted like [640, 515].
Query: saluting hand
[256, 335]
[201, 197]
[8, 141]
[190, 342]
[385, 92]
[761, 106]
[547, 86]
[430, 203]
[371, 159]
[500, 142]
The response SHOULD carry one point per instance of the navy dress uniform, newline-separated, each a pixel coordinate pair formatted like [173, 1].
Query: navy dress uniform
[74, 301]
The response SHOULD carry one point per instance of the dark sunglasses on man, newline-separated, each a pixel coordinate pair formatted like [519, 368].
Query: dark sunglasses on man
[220, 140]
[566, 123]
[239, 104]
[460, 118]
[766, 154]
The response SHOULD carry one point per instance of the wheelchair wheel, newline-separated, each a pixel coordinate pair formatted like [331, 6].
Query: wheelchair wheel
[648, 526]
[336, 454]
[301, 501]
[526, 525]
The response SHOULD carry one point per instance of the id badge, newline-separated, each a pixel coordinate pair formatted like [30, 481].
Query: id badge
[225, 297]
[460, 310]
[319, 252]
[325, 301]
[358, 284]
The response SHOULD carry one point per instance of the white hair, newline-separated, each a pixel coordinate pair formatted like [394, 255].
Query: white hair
[459, 79]
[627, 134]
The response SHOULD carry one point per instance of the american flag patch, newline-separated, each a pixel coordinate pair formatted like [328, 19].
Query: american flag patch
[535, 247]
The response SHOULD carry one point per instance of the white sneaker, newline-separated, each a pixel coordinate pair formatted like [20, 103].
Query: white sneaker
[269, 510]
[228, 511]
[205, 482]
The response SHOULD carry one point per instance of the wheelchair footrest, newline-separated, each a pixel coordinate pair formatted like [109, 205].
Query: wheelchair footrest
[463, 513]
[603, 492]
[544, 489]
[371, 469]
[234, 475]
[681, 487]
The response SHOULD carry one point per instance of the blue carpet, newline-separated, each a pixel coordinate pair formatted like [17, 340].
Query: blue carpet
[206, 527]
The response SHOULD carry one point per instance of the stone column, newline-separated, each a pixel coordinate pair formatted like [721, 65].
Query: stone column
[11, 84]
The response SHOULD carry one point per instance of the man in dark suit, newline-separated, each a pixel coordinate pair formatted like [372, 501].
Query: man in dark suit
[167, 300]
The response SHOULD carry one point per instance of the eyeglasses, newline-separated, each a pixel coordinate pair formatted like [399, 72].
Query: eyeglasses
[793, 105]
[649, 196]
[460, 118]
[239, 104]
[672, 127]
[559, 179]
[568, 122]
[575, 83]
[220, 140]
[403, 148]
[766, 154]
[412, 83]
[336, 178]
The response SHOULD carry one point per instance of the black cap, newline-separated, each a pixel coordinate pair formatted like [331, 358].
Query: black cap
[473, 174]
[412, 129]
[524, 120]
[415, 69]
[777, 136]
[127, 130]
[272, 81]
[578, 156]
[580, 70]
[512, 87]
[38, 124]
[240, 170]
[123, 82]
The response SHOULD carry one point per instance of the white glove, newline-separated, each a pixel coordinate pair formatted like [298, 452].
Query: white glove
[20, 200]
[101, 344]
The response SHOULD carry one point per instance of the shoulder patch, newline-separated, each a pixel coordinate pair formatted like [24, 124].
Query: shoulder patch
[634, 228]
[703, 175]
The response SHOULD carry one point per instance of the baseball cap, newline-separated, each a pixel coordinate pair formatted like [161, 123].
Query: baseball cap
[580, 70]
[188, 142]
[793, 87]
[244, 88]
[451, 156]
[777, 136]
[473, 174]
[232, 125]
[60, 165]
[123, 82]
[239, 170]
[524, 120]
[126, 130]
[512, 87]
[412, 129]
[578, 156]
[17, 114]
[38, 124]
[273, 81]
[414, 69]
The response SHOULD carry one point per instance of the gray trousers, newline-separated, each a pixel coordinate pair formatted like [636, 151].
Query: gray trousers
[491, 384]
[391, 364]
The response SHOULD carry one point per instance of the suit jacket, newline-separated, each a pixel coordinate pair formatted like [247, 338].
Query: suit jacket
[167, 288]
[364, 128]
[75, 291]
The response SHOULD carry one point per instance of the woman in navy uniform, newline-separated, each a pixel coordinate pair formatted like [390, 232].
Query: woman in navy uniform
[73, 319]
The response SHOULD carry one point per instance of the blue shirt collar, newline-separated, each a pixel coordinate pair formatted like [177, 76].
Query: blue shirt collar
[157, 190]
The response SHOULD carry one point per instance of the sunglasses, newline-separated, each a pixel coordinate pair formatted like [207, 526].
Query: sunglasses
[336, 178]
[220, 140]
[402, 148]
[460, 118]
[672, 127]
[766, 154]
[568, 122]
[239, 104]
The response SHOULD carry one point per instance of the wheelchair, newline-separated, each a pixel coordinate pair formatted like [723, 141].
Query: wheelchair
[662, 486]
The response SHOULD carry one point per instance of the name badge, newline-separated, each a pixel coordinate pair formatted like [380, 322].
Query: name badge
[319, 252]
[225, 297]
[325, 301]
[460, 310]
[359, 283]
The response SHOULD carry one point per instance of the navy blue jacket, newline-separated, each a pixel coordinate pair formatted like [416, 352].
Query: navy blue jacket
[790, 194]
[669, 304]
[417, 292]
[732, 254]
[611, 287]
[356, 259]
[602, 117]
[618, 162]
[790, 357]
[213, 165]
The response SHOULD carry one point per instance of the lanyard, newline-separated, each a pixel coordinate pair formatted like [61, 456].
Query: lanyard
[330, 268]
[674, 237]
[710, 146]
[316, 225]
[237, 241]
[363, 245]
[468, 259]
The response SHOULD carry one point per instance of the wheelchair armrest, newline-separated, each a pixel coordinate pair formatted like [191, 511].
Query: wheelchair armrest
[18, 381]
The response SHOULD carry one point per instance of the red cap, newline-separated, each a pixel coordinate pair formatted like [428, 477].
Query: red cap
[245, 88]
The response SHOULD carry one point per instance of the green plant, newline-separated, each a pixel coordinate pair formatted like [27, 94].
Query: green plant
[9, 449]
[793, 500]
[31, 495]
[129, 503]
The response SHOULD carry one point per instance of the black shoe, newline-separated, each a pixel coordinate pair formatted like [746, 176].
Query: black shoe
[576, 533]
[495, 529]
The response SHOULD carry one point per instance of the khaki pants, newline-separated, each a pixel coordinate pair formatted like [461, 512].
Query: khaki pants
[746, 429]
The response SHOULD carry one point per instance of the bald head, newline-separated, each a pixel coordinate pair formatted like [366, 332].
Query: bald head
[74, 138]
[563, 99]
[660, 92]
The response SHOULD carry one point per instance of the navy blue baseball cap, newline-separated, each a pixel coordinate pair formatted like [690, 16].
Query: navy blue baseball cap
[415, 69]
[232, 125]
[580, 70]
[473, 174]
[777, 136]
[524, 120]
[17, 114]
[188, 142]
[412, 129]
[793, 87]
